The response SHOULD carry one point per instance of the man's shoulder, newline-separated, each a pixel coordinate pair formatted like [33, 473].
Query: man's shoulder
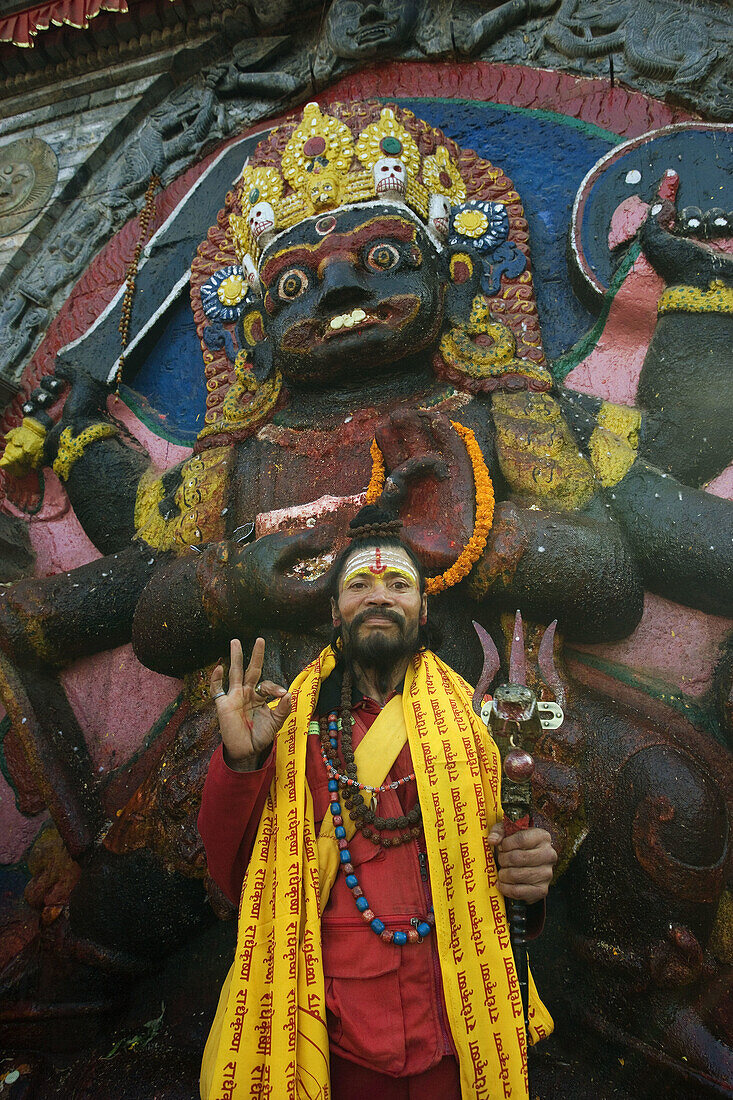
[433, 658]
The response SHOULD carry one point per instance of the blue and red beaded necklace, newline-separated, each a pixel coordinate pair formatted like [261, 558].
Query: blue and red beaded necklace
[343, 784]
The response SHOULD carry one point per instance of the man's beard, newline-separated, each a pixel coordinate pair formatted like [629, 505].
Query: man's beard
[378, 650]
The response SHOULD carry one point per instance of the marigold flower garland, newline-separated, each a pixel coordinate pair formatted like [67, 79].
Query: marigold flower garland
[376, 482]
[484, 489]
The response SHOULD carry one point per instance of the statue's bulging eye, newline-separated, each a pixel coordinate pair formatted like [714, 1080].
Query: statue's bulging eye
[382, 257]
[292, 284]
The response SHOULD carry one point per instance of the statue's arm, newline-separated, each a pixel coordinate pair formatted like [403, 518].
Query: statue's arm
[570, 566]
[195, 604]
[100, 464]
[682, 538]
[569, 563]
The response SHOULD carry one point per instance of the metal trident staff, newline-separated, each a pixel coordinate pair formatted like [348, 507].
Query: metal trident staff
[515, 718]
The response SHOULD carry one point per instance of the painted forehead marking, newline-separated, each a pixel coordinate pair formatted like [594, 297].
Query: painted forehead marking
[378, 560]
[325, 225]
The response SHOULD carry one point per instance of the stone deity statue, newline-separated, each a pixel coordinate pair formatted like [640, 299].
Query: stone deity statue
[376, 279]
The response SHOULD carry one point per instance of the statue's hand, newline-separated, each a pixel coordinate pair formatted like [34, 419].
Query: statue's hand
[430, 479]
[248, 725]
[506, 545]
[23, 447]
[262, 582]
[86, 402]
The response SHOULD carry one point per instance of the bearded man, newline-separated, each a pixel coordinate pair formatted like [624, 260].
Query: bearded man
[371, 923]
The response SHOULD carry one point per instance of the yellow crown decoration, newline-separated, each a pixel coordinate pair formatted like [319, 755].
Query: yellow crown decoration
[325, 169]
[441, 176]
[319, 142]
[384, 142]
[388, 138]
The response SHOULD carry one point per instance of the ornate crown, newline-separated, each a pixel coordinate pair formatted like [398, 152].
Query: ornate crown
[351, 153]
[323, 166]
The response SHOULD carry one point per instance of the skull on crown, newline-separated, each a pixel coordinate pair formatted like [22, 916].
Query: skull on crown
[390, 178]
[261, 222]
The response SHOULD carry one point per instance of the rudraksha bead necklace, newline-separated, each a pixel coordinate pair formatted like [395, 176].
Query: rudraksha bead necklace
[329, 727]
[407, 826]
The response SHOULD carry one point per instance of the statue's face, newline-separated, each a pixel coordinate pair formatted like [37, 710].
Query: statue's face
[351, 293]
[16, 184]
[359, 29]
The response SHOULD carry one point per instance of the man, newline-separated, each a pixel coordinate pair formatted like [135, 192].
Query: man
[413, 922]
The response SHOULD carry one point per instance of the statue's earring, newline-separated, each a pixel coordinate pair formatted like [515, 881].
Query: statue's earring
[243, 412]
[253, 339]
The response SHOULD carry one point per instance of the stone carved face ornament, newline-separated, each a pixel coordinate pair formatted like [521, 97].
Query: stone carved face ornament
[28, 173]
[16, 184]
[359, 29]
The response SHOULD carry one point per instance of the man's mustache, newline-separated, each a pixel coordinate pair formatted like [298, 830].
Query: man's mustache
[385, 613]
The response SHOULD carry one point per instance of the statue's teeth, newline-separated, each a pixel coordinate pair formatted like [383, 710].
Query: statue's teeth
[347, 320]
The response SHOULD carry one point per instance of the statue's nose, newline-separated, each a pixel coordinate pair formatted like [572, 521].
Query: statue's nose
[372, 13]
[342, 284]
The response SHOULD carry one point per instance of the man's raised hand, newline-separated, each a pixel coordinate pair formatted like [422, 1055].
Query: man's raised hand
[248, 725]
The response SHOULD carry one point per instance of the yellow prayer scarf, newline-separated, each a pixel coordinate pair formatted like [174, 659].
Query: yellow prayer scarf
[269, 1036]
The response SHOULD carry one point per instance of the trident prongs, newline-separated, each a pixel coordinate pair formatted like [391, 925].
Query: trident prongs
[490, 669]
[517, 660]
[546, 663]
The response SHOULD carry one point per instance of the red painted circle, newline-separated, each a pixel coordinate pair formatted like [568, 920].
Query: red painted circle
[461, 272]
[314, 146]
[444, 179]
[325, 225]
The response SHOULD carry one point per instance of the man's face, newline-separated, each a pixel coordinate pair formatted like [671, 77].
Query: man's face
[350, 293]
[379, 607]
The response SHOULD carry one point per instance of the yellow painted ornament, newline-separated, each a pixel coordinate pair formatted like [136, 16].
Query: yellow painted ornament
[232, 291]
[441, 176]
[471, 223]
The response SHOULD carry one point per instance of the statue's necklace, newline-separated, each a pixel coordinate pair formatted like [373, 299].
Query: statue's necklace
[484, 512]
[364, 818]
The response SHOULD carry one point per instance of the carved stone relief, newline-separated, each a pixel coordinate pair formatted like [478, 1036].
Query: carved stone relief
[666, 48]
[28, 173]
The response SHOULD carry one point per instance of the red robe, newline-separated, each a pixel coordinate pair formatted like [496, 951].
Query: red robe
[385, 1006]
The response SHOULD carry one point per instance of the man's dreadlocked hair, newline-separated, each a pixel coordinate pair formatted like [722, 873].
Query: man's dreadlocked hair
[374, 526]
